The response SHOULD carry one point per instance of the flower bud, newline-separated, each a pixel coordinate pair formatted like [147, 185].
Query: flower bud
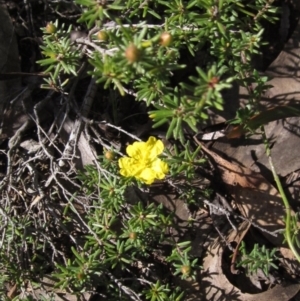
[165, 39]
[146, 44]
[132, 235]
[109, 155]
[80, 276]
[132, 53]
[102, 35]
[185, 270]
[50, 28]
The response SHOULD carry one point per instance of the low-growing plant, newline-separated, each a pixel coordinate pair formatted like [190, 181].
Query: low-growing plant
[123, 244]
[141, 57]
[259, 258]
[128, 232]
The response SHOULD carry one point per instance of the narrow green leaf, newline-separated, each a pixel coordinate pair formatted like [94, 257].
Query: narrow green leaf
[171, 128]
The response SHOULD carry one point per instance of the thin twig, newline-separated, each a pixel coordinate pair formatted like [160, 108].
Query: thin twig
[70, 148]
[85, 41]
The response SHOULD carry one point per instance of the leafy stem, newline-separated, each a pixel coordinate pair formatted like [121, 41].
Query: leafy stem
[288, 219]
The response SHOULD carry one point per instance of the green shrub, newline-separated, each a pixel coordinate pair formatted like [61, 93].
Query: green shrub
[140, 49]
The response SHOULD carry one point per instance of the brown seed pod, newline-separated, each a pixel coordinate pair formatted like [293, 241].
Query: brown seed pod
[165, 39]
[102, 35]
[50, 28]
[80, 276]
[109, 155]
[132, 53]
[133, 235]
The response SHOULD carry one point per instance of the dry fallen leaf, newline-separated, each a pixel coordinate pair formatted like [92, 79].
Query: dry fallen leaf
[48, 288]
[12, 292]
[216, 286]
[255, 197]
[284, 93]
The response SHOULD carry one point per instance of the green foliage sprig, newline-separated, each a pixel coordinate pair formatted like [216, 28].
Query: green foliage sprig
[259, 258]
[134, 54]
[61, 56]
[128, 231]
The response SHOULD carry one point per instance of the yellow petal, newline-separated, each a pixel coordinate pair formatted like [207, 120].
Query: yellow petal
[124, 164]
[155, 147]
[142, 162]
[147, 176]
[132, 149]
[160, 168]
[137, 150]
[129, 167]
[126, 167]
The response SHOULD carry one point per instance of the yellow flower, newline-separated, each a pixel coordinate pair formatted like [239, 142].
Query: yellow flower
[143, 162]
